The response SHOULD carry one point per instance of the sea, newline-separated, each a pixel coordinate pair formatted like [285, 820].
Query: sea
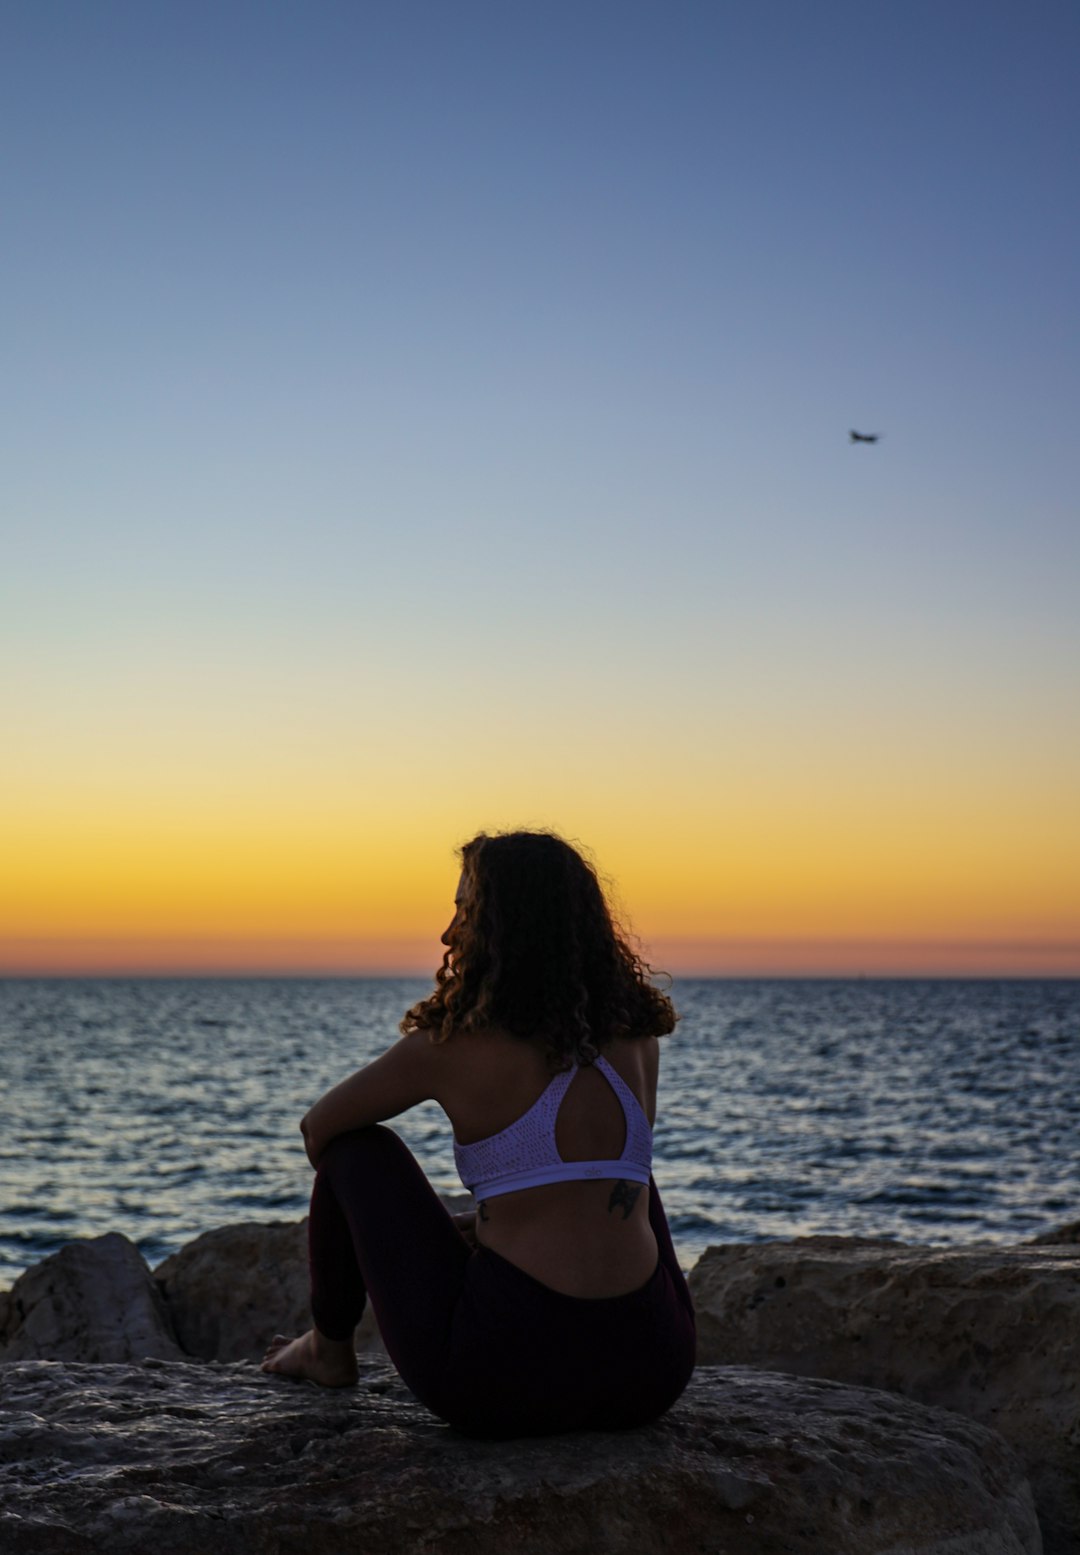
[932, 1111]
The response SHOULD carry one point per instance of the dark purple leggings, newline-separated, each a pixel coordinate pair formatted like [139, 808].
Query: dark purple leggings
[481, 1343]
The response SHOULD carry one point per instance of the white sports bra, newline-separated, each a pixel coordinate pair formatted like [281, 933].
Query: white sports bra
[525, 1155]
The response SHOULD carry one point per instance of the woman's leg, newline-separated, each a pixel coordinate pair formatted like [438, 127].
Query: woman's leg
[377, 1228]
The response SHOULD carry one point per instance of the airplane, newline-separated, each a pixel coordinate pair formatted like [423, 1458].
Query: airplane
[865, 437]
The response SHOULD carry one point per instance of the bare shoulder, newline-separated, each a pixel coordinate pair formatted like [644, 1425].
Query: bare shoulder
[637, 1061]
[637, 1055]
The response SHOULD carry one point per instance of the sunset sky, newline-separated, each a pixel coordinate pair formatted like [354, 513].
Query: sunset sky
[426, 418]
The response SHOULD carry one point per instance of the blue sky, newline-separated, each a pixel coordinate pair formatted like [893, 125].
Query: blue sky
[504, 357]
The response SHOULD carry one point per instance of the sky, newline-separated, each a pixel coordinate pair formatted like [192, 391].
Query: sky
[420, 419]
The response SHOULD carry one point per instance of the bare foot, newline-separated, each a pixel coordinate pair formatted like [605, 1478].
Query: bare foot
[313, 1358]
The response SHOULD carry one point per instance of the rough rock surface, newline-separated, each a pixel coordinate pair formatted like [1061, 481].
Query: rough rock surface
[94, 1300]
[993, 1332]
[1058, 1236]
[181, 1459]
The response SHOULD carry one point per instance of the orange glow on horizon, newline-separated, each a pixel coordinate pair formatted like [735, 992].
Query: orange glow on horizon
[419, 957]
[742, 881]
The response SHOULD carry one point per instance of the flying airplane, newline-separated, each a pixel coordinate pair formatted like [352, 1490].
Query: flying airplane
[865, 437]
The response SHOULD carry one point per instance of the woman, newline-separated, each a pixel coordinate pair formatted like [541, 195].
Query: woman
[560, 1305]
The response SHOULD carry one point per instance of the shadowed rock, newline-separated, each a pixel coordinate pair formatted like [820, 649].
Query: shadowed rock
[993, 1332]
[94, 1300]
[185, 1459]
[1059, 1236]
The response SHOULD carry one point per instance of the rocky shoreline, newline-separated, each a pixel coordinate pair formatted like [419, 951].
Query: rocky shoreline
[851, 1396]
[990, 1332]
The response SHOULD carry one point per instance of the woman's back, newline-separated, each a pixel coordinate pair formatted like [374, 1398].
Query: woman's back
[587, 1238]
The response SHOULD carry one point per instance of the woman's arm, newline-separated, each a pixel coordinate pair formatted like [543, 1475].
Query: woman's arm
[405, 1075]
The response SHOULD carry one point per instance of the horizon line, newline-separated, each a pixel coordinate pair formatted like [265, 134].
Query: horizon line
[679, 956]
[292, 976]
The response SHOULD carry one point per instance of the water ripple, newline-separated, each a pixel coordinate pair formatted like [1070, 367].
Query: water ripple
[939, 1111]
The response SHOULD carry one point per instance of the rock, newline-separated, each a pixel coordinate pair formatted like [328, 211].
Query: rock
[1058, 1236]
[993, 1332]
[231, 1290]
[94, 1300]
[183, 1459]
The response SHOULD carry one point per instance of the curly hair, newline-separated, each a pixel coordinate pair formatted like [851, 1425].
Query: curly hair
[534, 951]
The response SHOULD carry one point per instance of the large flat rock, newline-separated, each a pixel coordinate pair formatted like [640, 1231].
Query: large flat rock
[187, 1458]
[993, 1332]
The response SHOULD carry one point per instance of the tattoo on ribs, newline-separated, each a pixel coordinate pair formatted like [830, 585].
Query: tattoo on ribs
[624, 1196]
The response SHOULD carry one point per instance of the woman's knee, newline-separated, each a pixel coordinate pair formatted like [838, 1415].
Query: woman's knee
[375, 1140]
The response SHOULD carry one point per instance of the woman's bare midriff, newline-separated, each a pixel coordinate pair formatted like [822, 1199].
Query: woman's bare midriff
[590, 1239]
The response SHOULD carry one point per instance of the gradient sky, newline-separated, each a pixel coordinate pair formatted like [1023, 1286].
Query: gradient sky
[421, 418]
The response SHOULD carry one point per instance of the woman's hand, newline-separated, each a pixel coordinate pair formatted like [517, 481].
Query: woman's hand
[466, 1224]
[313, 1152]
